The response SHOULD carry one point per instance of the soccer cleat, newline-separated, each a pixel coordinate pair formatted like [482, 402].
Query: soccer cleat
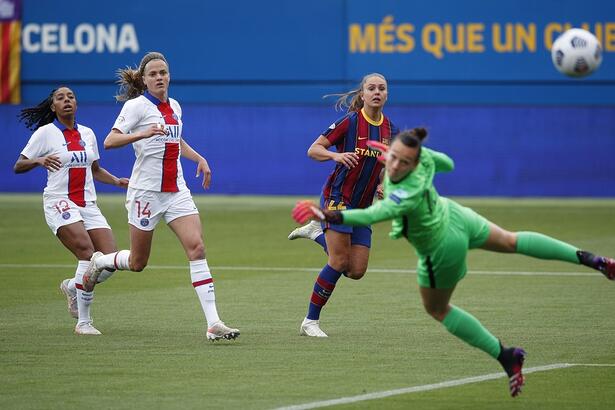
[311, 328]
[71, 298]
[512, 359]
[219, 331]
[91, 274]
[86, 328]
[607, 267]
[312, 230]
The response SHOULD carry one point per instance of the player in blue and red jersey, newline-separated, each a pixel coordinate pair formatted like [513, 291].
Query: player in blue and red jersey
[352, 185]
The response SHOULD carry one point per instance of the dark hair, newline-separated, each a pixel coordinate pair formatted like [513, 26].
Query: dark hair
[412, 138]
[39, 115]
[352, 99]
[131, 79]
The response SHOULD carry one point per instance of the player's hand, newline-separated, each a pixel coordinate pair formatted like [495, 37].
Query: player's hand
[347, 159]
[122, 182]
[379, 146]
[380, 191]
[154, 129]
[203, 166]
[305, 211]
[50, 162]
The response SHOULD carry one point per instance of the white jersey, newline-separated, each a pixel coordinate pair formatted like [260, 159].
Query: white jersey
[77, 149]
[157, 167]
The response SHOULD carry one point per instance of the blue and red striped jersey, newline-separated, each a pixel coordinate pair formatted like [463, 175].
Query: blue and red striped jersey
[355, 188]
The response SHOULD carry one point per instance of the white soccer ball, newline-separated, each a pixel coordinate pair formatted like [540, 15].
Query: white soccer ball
[576, 53]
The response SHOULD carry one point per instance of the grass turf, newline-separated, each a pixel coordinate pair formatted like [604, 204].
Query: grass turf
[153, 353]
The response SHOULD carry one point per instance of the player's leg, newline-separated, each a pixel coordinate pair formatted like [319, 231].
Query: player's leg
[542, 246]
[188, 230]
[361, 242]
[339, 244]
[76, 239]
[438, 274]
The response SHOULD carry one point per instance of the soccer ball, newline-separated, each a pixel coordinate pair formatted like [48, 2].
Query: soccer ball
[576, 53]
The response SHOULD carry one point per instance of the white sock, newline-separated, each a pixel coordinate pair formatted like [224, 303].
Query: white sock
[115, 260]
[104, 275]
[84, 299]
[71, 285]
[204, 286]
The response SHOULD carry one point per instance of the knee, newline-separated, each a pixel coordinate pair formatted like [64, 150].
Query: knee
[340, 263]
[196, 251]
[355, 274]
[436, 312]
[137, 265]
[83, 251]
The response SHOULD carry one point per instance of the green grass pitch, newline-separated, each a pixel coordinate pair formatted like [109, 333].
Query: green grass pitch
[153, 352]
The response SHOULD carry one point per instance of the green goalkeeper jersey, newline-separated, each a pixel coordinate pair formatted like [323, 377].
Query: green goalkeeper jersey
[417, 212]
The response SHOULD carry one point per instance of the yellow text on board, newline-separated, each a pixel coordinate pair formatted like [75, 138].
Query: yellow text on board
[440, 39]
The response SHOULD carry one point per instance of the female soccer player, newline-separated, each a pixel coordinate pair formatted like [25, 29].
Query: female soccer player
[69, 152]
[151, 122]
[442, 231]
[351, 185]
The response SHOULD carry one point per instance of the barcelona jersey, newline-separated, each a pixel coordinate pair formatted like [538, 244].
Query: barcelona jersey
[355, 188]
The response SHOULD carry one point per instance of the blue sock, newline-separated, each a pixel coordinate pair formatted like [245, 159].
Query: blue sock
[321, 241]
[323, 288]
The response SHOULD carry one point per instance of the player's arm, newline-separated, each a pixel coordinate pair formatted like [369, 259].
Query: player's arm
[319, 151]
[202, 165]
[25, 164]
[116, 138]
[102, 175]
[443, 162]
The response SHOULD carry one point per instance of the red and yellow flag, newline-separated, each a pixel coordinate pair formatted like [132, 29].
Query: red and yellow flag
[10, 51]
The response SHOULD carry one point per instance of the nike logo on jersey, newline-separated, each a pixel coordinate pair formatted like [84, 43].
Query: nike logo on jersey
[362, 138]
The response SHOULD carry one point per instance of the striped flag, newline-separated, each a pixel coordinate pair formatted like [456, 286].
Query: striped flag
[10, 51]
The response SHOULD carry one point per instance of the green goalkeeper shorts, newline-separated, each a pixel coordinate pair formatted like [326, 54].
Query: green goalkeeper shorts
[446, 264]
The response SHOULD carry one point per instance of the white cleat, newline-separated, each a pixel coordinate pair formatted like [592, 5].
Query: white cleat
[311, 328]
[90, 277]
[71, 298]
[86, 328]
[312, 230]
[219, 331]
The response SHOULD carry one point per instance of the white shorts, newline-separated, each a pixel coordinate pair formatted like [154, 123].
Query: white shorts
[146, 208]
[61, 211]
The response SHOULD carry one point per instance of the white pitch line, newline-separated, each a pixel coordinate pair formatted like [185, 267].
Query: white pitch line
[315, 269]
[428, 387]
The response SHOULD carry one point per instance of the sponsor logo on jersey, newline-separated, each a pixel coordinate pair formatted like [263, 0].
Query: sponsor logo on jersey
[366, 152]
[398, 195]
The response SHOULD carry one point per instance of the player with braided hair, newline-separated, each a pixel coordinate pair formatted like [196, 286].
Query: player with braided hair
[69, 153]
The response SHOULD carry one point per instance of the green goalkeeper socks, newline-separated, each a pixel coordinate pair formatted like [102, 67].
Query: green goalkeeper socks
[544, 247]
[470, 330]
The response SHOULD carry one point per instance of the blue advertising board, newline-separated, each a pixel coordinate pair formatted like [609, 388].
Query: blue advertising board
[275, 51]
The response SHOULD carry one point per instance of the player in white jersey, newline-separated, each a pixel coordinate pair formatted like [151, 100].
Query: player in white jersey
[151, 122]
[69, 152]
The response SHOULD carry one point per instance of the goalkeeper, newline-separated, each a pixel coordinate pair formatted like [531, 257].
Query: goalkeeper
[442, 231]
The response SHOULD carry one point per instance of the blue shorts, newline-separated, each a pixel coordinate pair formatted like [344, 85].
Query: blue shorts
[359, 235]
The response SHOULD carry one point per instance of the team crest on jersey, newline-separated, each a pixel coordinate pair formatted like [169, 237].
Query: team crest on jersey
[144, 222]
[175, 117]
[66, 216]
[82, 143]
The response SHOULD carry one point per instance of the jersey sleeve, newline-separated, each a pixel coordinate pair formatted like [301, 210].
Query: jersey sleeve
[129, 117]
[337, 130]
[36, 146]
[397, 203]
[442, 162]
[95, 146]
